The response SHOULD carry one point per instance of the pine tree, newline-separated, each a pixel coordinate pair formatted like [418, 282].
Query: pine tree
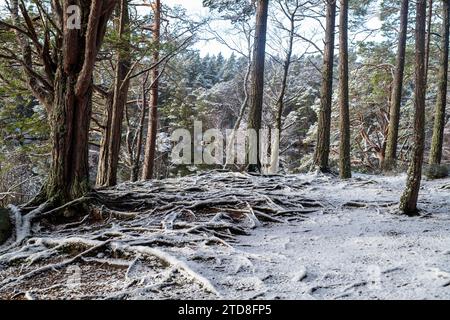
[115, 104]
[257, 81]
[324, 126]
[230, 68]
[408, 202]
[219, 65]
[344, 152]
[441, 103]
[394, 119]
[150, 146]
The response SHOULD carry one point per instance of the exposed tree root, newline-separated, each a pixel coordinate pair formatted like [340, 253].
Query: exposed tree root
[147, 220]
[8, 282]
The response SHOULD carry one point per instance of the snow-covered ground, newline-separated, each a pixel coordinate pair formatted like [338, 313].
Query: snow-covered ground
[363, 253]
[347, 252]
[355, 247]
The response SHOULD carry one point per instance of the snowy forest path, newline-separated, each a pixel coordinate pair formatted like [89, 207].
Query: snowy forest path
[357, 252]
[237, 236]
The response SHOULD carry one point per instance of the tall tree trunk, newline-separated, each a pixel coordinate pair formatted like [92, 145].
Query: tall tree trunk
[441, 103]
[322, 153]
[72, 103]
[344, 153]
[150, 148]
[257, 79]
[408, 203]
[428, 39]
[396, 99]
[112, 135]
[70, 120]
[68, 96]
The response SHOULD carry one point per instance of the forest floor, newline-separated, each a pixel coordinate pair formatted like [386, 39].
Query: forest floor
[236, 236]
